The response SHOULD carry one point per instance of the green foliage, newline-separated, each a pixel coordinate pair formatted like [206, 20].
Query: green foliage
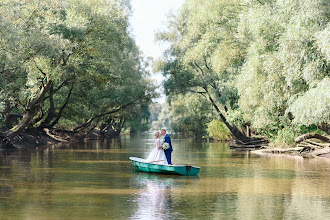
[285, 137]
[83, 50]
[313, 106]
[218, 130]
[162, 117]
[260, 61]
[155, 109]
[285, 61]
[66, 124]
[203, 59]
[236, 117]
[311, 129]
[137, 118]
[190, 113]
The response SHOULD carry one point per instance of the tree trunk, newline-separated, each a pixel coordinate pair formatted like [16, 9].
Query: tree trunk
[325, 127]
[60, 112]
[52, 115]
[310, 136]
[51, 110]
[89, 121]
[6, 115]
[248, 131]
[31, 111]
[233, 129]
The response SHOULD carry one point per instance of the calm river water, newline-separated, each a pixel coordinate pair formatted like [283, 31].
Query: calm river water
[95, 180]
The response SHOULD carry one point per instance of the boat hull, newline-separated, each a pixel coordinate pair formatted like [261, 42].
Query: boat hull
[186, 170]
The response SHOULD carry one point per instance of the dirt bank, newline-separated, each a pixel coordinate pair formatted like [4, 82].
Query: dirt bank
[35, 137]
[32, 138]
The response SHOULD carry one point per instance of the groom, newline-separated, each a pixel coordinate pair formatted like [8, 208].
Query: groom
[168, 152]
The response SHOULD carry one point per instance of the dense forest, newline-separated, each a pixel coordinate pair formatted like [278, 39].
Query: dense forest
[249, 67]
[70, 65]
[233, 69]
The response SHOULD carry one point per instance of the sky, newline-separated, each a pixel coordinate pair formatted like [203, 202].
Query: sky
[149, 16]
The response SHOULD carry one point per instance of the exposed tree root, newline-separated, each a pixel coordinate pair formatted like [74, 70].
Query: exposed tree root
[311, 136]
[305, 147]
[5, 143]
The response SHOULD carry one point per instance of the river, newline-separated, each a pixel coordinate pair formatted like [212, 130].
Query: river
[95, 180]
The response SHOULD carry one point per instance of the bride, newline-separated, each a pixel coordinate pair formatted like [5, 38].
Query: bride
[157, 155]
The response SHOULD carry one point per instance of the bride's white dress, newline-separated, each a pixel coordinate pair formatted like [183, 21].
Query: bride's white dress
[157, 156]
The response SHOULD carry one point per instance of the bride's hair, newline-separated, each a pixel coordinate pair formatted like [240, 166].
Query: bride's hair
[157, 134]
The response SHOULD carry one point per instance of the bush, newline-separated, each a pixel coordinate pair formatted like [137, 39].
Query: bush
[285, 137]
[218, 130]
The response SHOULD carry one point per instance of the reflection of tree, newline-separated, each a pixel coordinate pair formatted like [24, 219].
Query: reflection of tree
[21, 180]
[5, 188]
[310, 196]
[279, 188]
[6, 153]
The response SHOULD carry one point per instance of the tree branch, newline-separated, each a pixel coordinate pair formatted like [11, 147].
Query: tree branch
[88, 122]
[66, 82]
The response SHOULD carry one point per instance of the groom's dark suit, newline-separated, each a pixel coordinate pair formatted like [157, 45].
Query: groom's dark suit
[168, 152]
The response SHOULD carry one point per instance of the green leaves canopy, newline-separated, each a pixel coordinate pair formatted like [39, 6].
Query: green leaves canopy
[260, 61]
[82, 50]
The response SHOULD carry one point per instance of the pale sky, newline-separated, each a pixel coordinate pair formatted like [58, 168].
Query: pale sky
[149, 16]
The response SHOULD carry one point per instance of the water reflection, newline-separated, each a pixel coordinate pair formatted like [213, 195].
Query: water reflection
[95, 180]
[155, 197]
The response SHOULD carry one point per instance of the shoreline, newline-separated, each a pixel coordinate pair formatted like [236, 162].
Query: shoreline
[295, 151]
[36, 138]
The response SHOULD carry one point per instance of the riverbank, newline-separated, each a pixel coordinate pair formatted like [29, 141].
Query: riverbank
[307, 145]
[37, 138]
[32, 138]
[295, 151]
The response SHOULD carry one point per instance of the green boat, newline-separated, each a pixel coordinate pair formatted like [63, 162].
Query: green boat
[183, 169]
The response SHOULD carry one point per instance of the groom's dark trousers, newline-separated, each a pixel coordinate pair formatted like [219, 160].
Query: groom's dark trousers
[168, 152]
[168, 156]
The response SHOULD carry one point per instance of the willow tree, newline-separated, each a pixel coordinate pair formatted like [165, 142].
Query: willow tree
[31, 57]
[112, 71]
[71, 59]
[205, 54]
[286, 73]
[190, 114]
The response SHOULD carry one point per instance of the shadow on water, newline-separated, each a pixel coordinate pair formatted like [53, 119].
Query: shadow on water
[8, 152]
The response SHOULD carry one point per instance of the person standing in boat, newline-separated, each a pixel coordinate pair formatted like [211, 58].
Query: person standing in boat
[157, 155]
[167, 139]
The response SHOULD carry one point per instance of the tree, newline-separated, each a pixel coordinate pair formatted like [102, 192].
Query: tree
[205, 55]
[69, 61]
[28, 54]
[164, 117]
[286, 71]
[257, 62]
[190, 113]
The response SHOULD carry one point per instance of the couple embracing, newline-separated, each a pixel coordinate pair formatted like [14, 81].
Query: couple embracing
[163, 150]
